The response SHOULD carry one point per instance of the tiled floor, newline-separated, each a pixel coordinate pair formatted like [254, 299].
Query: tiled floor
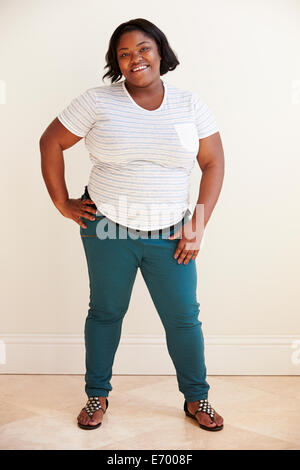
[146, 412]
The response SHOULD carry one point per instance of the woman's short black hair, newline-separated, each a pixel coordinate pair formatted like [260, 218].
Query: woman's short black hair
[168, 61]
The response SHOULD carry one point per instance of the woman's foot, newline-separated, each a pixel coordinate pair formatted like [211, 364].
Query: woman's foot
[84, 418]
[202, 417]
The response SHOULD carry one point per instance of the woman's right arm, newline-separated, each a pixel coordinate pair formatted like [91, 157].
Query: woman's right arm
[54, 140]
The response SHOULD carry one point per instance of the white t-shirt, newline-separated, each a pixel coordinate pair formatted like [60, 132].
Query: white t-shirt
[142, 159]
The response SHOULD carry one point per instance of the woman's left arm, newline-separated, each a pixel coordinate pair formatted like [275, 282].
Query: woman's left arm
[211, 161]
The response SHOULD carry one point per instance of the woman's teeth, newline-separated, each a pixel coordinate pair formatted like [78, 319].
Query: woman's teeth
[139, 69]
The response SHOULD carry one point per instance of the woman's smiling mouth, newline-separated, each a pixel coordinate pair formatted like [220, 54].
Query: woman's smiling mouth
[140, 68]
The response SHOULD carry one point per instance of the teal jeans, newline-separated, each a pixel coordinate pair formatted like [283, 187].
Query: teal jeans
[112, 267]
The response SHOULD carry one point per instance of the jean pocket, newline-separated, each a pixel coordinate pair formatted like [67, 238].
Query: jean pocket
[91, 226]
[188, 135]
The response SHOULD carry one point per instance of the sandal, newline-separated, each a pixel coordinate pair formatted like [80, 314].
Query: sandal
[205, 406]
[93, 404]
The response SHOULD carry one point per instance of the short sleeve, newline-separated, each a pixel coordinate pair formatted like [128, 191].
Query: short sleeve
[205, 120]
[80, 115]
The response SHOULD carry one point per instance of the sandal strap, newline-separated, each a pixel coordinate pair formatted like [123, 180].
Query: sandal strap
[206, 407]
[93, 404]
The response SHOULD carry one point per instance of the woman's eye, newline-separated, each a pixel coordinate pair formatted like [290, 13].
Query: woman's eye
[124, 53]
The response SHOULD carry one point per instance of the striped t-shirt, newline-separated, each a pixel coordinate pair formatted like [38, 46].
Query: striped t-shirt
[142, 159]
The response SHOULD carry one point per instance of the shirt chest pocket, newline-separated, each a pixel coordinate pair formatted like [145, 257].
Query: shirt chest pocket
[188, 136]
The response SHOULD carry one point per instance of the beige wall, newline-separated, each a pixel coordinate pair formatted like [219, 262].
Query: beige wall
[242, 58]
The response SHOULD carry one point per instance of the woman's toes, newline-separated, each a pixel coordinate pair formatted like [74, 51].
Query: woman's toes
[211, 424]
[203, 418]
[83, 418]
[218, 419]
[97, 418]
[207, 421]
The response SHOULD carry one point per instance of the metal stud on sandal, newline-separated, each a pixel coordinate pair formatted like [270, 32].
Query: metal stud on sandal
[92, 405]
[206, 407]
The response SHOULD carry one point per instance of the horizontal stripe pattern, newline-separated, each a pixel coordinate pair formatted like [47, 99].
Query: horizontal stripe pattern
[141, 159]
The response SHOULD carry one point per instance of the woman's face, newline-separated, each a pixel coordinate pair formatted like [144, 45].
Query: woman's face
[136, 49]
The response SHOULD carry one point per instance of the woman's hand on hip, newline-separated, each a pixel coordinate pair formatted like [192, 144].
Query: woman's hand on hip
[76, 208]
[190, 240]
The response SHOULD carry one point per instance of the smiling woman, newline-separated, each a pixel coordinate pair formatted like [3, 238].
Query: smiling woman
[143, 135]
[150, 43]
[140, 52]
[141, 68]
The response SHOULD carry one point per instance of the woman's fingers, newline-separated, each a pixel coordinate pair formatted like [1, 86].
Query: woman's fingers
[185, 251]
[182, 255]
[185, 255]
[86, 212]
[82, 224]
[87, 201]
[87, 215]
[188, 257]
[86, 209]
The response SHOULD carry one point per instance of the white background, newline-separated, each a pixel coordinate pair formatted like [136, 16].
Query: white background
[242, 57]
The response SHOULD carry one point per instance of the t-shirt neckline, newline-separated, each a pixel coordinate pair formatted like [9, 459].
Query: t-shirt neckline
[144, 109]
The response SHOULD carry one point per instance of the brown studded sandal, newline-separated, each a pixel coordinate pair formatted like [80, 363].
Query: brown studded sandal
[93, 404]
[205, 406]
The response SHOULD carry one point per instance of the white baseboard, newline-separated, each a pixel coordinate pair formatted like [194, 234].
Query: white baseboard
[148, 355]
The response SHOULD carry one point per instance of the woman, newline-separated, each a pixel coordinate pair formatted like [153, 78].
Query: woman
[143, 137]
